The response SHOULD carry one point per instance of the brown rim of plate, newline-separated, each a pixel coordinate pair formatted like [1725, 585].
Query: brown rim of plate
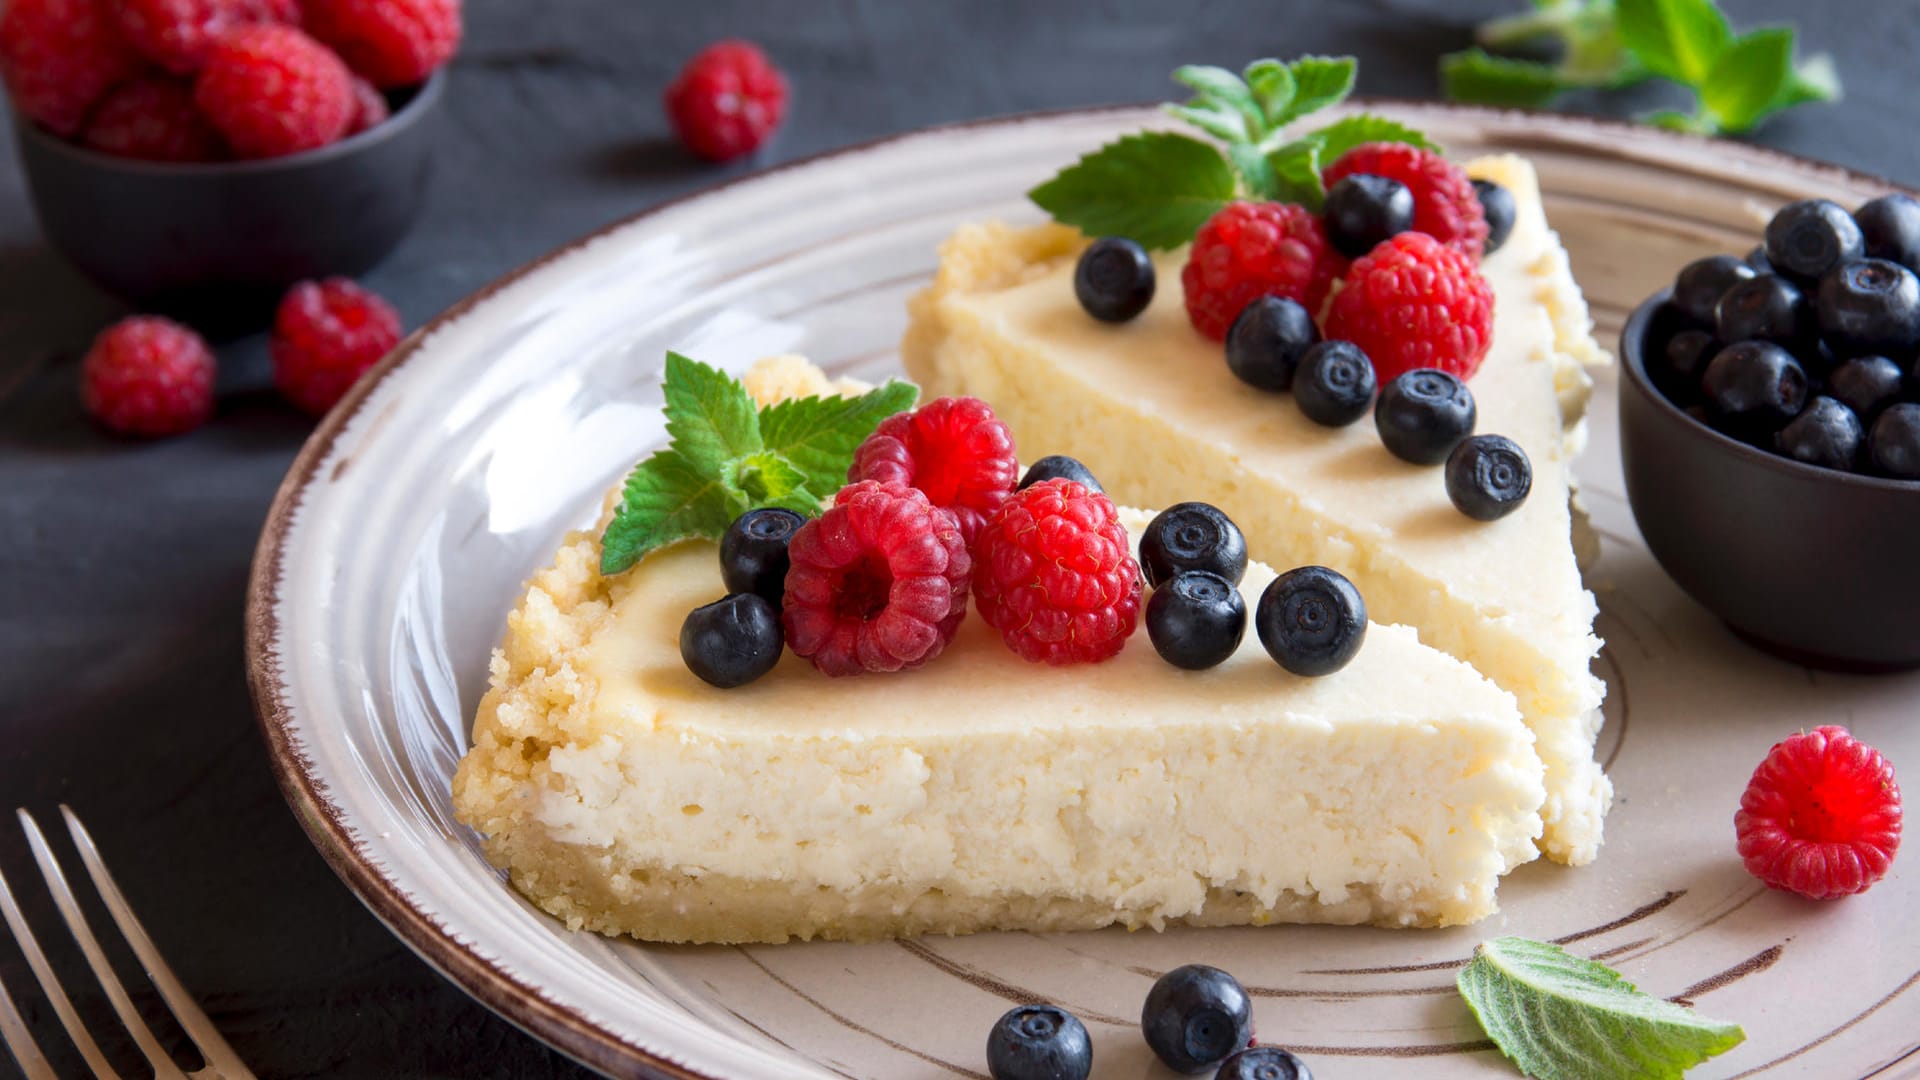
[494, 987]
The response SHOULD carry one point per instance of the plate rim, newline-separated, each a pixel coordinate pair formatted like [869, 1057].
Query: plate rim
[324, 821]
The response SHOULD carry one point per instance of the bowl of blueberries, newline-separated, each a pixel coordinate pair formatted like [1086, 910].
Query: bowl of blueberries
[1770, 434]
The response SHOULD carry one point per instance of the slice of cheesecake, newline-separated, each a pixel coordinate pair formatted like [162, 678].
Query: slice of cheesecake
[624, 795]
[1152, 409]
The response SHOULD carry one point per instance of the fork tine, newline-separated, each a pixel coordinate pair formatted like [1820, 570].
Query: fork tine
[157, 1056]
[50, 985]
[13, 1029]
[207, 1037]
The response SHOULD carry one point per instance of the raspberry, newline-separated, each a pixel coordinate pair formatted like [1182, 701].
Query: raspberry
[727, 100]
[1415, 303]
[272, 90]
[370, 108]
[1055, 574]
[953, 449]
[178, 34]
[876, 583]
[1248, 250]
[1821, 816]
[325, 335]
[59, 57]
[148, 376]
[392, 42]
[153, 119]
[1445, 206]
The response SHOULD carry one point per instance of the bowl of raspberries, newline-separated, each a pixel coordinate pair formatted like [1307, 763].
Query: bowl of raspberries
[197, 157]
[1770, 433]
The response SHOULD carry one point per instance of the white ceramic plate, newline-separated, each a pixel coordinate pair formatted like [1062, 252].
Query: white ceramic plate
[402, 534]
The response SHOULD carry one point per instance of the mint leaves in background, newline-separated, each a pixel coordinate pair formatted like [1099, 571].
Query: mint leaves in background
[1738, 80]
[726, 455]
[1559, 1017]
[1158, 188]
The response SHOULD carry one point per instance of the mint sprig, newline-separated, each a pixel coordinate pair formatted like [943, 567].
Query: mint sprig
[1557, 1016]
[726, 456]
[1737, 80]
[1159, 187]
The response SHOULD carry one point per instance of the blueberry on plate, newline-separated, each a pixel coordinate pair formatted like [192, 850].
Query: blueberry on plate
[1263, 1063]
[1826, 433]
[1890, 227]
[1195, 1017]
[1039, 1042]
[1311, 620]
[1686, 354]
[1806, 239]
[1700, 284]
[1196, 620]
[1865, 384]
[733, 641]
[1364, 209]
[1752, 388]
[1869, 306]
[753, 553]
[1114, 279]
[1059, 467]
[1423, 414]
[1893, 443]
[1764, 307]
[1488, 477]
[1501, 211]
[1334, 384]
[1757, 258]
[1192, 536]
[1266, 341]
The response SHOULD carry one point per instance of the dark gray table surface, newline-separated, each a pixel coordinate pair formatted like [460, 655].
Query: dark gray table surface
[123, 566]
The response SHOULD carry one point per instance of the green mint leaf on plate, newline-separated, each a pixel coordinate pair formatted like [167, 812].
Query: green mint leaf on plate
[667, 498]
[1251, 163]
[1156, 187]
[1675, 39]
[1478, 76]
[1223, 122]
[764, 478]
[1223, 91]
[1558, 1016]
[1319, 82]
[1749, 76]
[1273, 88]
[710, 416]
[1343, 135]
[1815, 79]
[818, 435]
[1296, 174]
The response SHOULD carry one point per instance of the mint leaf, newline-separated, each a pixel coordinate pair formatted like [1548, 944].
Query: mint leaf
[666, 498]
[1555, 1015]
[1481, 78]
[1675, 39]
[1319, 81]
[1343, 135]
[1815, 79]
[710, 416]
[1220, 87]
[764, 477]
[1156, 187]
[1251, 163]
[1217, 120]
[818, 435]
[1273, 88]
[1750, 75]
[1296, 174]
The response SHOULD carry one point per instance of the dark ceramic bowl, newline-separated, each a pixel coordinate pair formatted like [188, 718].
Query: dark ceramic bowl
[220, 243]
[1810, 564]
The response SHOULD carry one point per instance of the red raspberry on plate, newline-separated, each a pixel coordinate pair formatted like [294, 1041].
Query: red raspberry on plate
[1248, 250]
[1445, 205]
[326, 335]
[953, 449]
[149, 377]
[1412, 302]
[153, 119]
[370, 108]
[1054, 573]
[178, 34]
[1821, 816]
[272, 90]
[392, 42]
[727, 100]
[59, 57]
[876, 583]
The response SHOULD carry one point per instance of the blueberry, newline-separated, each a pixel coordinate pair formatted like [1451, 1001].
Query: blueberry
[1264, 1063]
[1334, 385]
[753, 553]
[1757, 258]
[1423, 414]
[1363, 210]
[1488, 477]
[1869, 306]
[1498, 203]
[1267, 340]
[1196, 620]
[1195, 1017]
[1311, 620]
[1059, 467]
[1806, 239]
[1826, 433]
[1686, 354]
[1698, 287]
[732, 642]
[1865, 383]
[1039, 1042]
[1893, 443]
[1192, 536]
[1890, 228]
[1765, 307]
[1752, 388]
[1114, 279]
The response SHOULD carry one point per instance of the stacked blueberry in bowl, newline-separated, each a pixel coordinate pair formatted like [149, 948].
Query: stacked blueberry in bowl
[1807, 347]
